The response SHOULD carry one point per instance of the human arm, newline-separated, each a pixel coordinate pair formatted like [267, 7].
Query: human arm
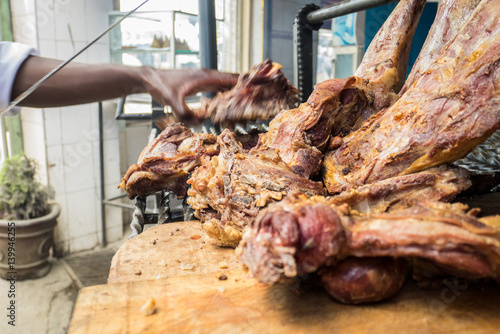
[79, 83]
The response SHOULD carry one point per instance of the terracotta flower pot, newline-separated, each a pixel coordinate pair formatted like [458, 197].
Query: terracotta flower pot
[31, 241]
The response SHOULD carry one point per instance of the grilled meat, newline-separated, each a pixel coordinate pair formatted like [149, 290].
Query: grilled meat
[338, 106]
[299, 236]
[358, 280]
[448, 110]
[259, 94]
[165, 163]
[228, 190]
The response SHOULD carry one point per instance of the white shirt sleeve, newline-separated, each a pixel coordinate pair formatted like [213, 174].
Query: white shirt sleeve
[12, 55]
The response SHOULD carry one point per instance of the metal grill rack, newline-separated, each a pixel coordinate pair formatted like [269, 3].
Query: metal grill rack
[308, 19]
[162, 213]
[485, 158]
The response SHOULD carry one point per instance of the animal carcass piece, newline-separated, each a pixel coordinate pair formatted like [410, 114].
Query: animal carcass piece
[166, 162]
[450, 18]
[229, 189]
[338, 106]
[259, 94]
[436, 184]
[447, 110]
[299, 236]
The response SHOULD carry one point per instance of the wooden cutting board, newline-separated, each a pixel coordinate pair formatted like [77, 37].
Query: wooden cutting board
[200, 300]
[206, 304]
[175, 249]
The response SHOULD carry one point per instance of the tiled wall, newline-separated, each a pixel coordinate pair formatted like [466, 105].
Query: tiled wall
[65, 141]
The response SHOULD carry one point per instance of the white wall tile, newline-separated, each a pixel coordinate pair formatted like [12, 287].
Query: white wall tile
[55, 166]
[114, 224]
[79, 167]
[114, 234]
[22, 7]
[97, 16]
[61, 247]
[70, 21]
[47, 48]
[82, 213]
[66, 49]
[33, 115]
[24, 30]
[52, 126]
[112, 190]
[76, 125]
[61, 232]
[114, 217]
[98, 53]
[45, 19]
[110, 124]
[111, 160]
[71, 133]
[136, 139]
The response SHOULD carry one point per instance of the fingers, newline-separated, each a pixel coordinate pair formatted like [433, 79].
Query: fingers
[183, 112]
[211, 81]
[171, 87]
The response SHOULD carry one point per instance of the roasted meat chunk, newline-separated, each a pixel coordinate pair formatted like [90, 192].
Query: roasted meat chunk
[259, 94]
[450, 17]
[165, 163]
[358, 280]
[299, 236]
[228, 190]
[338, 106]
[442, 183]
[448, 110]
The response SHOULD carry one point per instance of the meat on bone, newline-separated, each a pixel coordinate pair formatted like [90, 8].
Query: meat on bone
[298, 236]
[450, 18]
[165, 163]
[448, 110]
[228, 190]
[259, 94]
[338, 106]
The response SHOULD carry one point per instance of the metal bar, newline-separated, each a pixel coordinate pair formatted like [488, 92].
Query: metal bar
[120, 112]
[119, 205]
[268, 28]
[138, 217]
[208, 34]
[344, 8]
[303, 50]
[101, 162]
[117, 197]
[164, 212]
[157, 113]
[309, 19]
[303, 60]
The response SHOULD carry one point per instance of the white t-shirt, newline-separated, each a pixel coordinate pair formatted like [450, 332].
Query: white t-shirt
[12, 55]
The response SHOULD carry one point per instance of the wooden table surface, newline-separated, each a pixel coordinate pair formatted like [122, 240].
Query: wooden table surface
[201, 288]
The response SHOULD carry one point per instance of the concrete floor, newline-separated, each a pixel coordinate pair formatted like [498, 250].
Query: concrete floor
[43, 305]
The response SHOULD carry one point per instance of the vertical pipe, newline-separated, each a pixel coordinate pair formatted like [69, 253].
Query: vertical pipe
[303, 51]
[208, 34]
[208, 41]
[268, 27]
[101, 161]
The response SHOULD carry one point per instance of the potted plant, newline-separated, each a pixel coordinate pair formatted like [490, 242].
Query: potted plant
[27, 221]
